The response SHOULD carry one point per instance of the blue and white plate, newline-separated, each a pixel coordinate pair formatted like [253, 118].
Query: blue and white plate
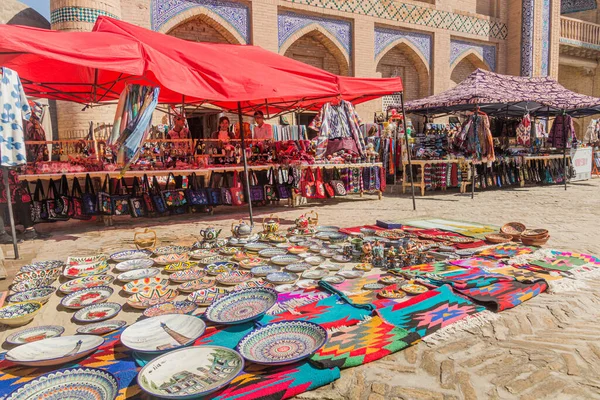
[327, 228]
[263, 270]
[97, 312]
[280, 278]
[42, 265]
[163, 333]
[241, 306]
[31, 284]
[41, 294]
[126, 255]
[130, 265]
[298, 267]
[285, 260]
[34, 334]
[256, 247]
[268, 253]
[164, 250]
[138, 274]
[54, 351]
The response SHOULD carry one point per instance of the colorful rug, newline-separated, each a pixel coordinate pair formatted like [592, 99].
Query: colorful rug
[504, 294]
[442, 236]
[472, 229]
[3, 296]
[567, 262]
[522, 274]
[362, 344]
[476, 262]
[356, 229]
[426, 313]
[506, 251]
[297, 298]
[433, 268]
[355, 286]
[468, 278]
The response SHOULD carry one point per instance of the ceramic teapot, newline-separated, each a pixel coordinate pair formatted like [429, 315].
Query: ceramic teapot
[241, 230]
[271, 226]
[210, 233]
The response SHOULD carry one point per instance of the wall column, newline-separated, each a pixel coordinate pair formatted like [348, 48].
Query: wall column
[363, 60]
[440, 65]
[264, 32]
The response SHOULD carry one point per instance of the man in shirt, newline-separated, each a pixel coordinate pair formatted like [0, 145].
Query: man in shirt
[262, 131]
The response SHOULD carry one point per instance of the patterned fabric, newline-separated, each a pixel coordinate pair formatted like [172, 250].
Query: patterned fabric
[566, 261]
[15, 109]
[506, 251]
[428, 312]
[522, 274]
[504, 294]
[435, 268]
[562, 128]
[363, 343]
[476, 262]
[297, 298]
[18, 191]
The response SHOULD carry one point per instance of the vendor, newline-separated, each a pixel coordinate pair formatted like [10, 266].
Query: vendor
[262, 131]
[223, 134]
[179, 131]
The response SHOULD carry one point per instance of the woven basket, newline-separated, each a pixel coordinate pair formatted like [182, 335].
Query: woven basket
[514, 229]
[145, 239]
[534, 233]
[497, 238]
[535, 242]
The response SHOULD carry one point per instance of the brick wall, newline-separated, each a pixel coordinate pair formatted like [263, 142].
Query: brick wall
[462, 70]
[199, 31]
[311, 51]
[400, 62]
[136, 12]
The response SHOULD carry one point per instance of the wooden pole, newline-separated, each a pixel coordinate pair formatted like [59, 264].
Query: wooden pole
[410, 170]
[10, 211]
[246, 178]
[564, 149]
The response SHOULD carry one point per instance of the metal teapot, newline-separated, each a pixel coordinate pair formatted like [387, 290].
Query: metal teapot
[241, 230]
[210, 233]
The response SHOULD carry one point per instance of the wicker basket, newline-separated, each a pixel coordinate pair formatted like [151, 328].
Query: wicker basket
[535, 242]
[498, 238]
[534, 233]
[145, 239]
[514, 229]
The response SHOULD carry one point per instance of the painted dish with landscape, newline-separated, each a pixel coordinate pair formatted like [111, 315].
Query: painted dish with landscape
[171, 307]
[138, 274]
[130, 265]
[191, 372]
[334, 280]
[87, 297]
[54, 351]
[139, 285]
[298, 267]
[101, 328]
[127, 255]
[279, 278]
[41, 294]
[241, 306]
[42, 265]
[197, 284]
[205, 297]
[263, 270]
[86, 283]
[40, 274]
[286, 259]
[282, 343]
[34, 334]
[391, 294]
[163, 333]
[187, 275]
[232, 278]
[83, 270]
[316, 274]
[97, 312]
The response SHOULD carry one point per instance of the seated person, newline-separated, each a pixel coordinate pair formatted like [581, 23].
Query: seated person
[262, 131]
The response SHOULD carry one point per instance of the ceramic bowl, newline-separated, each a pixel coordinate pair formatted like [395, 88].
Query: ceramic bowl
[249, 263]
[204, 297]
[367, 231]
[171, 307]
[139, 285]
[85, 283]
[285, 260]
[391, 294]
[269, 253]
[54, 351]
[316, 274]
[259, 283]
[39, 274]
[162, 333]
[282, 343]
[79, 260]
[83, 270]
[17, 314]
[126, 255]
[41, 294]
[168, 250]
[159, 375]
[241, 306]
[197, 284]
[97, 312]
[263, 270]
[335, 280]
[87, 297]
[187, 275]
[413, 289]
[279, 278]
[181, 266]
[91, 382]
[151, 297]
[31, 284]
[131, 265]
[42, 265]
[232, 278]
[298, 267]
[171, 259]
[138, 274]
[220, 267]
[101, 328]
[314, 260]
[34, 334]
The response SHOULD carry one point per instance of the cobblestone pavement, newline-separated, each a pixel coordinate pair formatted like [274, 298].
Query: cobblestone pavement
[545, 348]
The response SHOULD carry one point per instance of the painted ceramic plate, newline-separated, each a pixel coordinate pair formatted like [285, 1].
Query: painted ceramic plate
[268, 253]
[172, 307]
[213, 260]
[187, 275]
[41, 294]
[17, 314]
[414, 288]
[259, 283]
[341, 258]
[391, 294]
[296, 239]
[373, 286]
[241, 306]
[131, 265]
[85, 283]
[54, 351]
[31, 284]
[327, 253]
[279, 278]
[256, 247]
[296, 249]
[240, 256]
[83, 270]
[298, 267]
[317, 274]
[101, 328]
[350, 274]
[151, 297]
[205, 297]
[363, 267]
[228, 251]
[307, 283]
[126, 255]
[42, 265]
[249, 263]
[40, 274]
[78, 260]
[285, 288]
[330, 267]
[171, 259]
[139, 285]
[197, 284]
[335, 280]
[220, 267]
[30, 335]
[166, 250]
[97, 312]
[285, 260]
[276, 238]
[327, 228]
[87, 297]
[163, 333]
[234, 277]
[460, 239]
[181, 266]
[391, 280]
[164, 376]
[282, 343]
[314, 260]
[263, 270]
[201, 253]
[88, 383]
[389, 235]
[137, 274]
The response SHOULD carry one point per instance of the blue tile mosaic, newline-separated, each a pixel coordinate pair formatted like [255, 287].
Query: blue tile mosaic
[290, 23]
[487, 52]
[385, 36]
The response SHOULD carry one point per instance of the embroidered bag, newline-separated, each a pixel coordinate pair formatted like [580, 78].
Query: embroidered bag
[119, 201]
[283, 186]
[51, 204]
[147, 197]
[137, 207]
[214, 194]
[237, 191]
[308, 187]
[39, 208]
[338, 185]
[226, 199]
[270, 190]
[104, 203]
[196, 196]
[89, 198]
[76, 210]
[63, 201]
[174, 198]
[319, 186]
[159, 202]
[257, 192]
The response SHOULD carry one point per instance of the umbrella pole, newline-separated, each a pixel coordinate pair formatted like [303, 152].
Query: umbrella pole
[246, 179]
[10, 212]
[564, 151]
[410, 170]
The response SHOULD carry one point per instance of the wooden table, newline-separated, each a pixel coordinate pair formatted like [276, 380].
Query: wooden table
[421, 164]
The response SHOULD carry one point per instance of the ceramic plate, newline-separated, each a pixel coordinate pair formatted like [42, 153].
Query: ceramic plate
[249, 263]
[139, 285]
[172, 307]
[337, 237]
[317, 274]
[31, 284]
[341, 259]
[298, 267]
[285, 288]
[282, 343]
[34, 334]
[39, 274]
[137, 274]
[126, 255]
[163, 333]
[263, 270]
[240, 256]
[101, 328]
[256, 247]
[391, 294]
[213, 260]
[350, 274]
[296, 249]
[241, 306]
[304, 256]
[17, 314]
[268, 253]
[201, 253]
[285, 260]
[78, 260]
[198, 284]
[276, 238]
[314, 260]
[42, 265]
[87, 297]
[220, 267]
[373, 286]
[327, 253]
[391, 280]
[41, 294]
[54, 351]
[130, 265]
[234, 277]
[414, 289]
[254, 285]
[151, 297]
[97, 312]
[166, 250]
[86, 283]
[181, 266]
[279, 278]
[212, 367]
[171, 259]
[205, 297]
[307, 283]
[335, 280]
[327, 228]
[83, 270]
[88, 383]
[296, 239]
[363, 267]
[330, 267]
[187, 275]
[228, 251]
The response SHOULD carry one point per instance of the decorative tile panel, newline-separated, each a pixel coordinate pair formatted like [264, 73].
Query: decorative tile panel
[546, 37]
[414, 14]
[290, 23]
[487, 52]
[579, 43]
[237, 14]
[527, 25]
[78, 14]
[385, 36]
[571, 6]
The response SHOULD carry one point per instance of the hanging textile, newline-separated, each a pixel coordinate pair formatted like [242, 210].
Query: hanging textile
[592, 132]
[15, 109]
[475, 138]
[524, 131]
[562, 128]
